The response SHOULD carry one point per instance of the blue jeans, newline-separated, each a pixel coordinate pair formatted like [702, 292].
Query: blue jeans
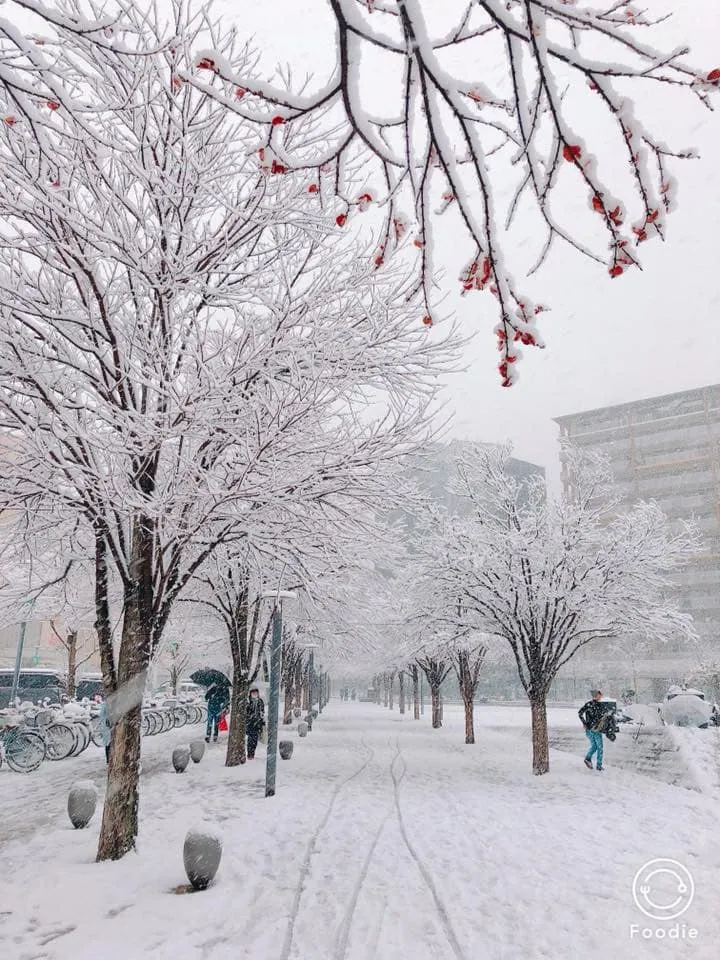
[596, 745]
[213, 719]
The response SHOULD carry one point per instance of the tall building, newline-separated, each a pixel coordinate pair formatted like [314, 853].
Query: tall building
[667, 449]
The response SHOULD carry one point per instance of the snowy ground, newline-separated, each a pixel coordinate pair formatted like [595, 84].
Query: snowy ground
[386, 840]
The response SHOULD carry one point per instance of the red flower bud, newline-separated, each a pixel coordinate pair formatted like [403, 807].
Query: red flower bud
[277, 121]
[714, 75]
[53, 105]
[240, 92]
[615, 271]
[571, 152]
[341, 219]
[313, 188]
[427, 320]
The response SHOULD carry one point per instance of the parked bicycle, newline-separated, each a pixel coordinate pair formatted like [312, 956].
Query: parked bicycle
[22, 748]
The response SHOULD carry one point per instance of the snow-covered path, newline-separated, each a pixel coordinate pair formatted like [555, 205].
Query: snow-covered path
[386, 840]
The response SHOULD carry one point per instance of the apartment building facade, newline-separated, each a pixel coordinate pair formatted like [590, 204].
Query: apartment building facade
[667, 449]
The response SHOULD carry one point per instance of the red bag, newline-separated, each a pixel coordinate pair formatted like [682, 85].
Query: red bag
[223, 725]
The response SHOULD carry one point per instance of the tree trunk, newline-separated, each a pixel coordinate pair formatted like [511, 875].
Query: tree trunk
[401, 694]
[391, 684]
[174, 676]
[120, 813]
[436, 707]
[288, 705]
[298, 684]
[236, 749]
[103, 627]
[416, 692]
[386, 686]
[469, 715]
[541, 747]
[72, 639]
[306, 690]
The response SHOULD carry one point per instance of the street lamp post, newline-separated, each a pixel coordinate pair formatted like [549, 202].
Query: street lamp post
[18, 661]
[274, 705]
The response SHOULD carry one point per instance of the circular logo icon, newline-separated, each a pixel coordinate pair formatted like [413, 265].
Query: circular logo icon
[663, 889]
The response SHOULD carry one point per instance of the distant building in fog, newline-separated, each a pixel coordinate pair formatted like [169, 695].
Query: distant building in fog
[436, 472]
[668, 449]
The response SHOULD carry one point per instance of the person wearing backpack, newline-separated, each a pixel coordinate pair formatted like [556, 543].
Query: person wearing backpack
[593, 714]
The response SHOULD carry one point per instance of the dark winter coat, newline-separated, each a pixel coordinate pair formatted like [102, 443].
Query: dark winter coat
[591, 713]
[217, 699]
[255, 714]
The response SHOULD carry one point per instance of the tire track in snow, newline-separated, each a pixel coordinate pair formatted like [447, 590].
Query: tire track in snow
[346, 924]
[312, 843]
[424, 873]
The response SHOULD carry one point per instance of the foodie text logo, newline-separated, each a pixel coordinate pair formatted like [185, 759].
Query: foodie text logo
[663, 889]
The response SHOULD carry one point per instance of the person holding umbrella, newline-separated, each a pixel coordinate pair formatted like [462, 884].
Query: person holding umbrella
[217, 697]
[218, 700]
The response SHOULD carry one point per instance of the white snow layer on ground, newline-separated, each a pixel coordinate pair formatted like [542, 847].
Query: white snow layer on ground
[386, 840]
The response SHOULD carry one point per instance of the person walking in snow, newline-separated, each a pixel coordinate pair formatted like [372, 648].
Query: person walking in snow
[592, 715]
[218, 700]
[254, 721]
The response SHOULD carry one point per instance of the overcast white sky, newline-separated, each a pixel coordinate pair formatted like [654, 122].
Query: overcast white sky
[609, 341]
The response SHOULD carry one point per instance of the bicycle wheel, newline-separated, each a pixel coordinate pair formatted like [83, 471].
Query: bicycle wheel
[59, 741]
[82, 733]
[145, 725]
[95, 733]
[155, 721]
[180, 716]
[24, 751]
[166, 719]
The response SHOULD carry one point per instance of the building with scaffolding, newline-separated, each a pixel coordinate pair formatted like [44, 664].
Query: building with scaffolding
[667, 449]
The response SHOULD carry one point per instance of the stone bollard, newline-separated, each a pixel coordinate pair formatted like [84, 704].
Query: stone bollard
[314, 714]
[309, 721]
[302, 729]
[286, 749]
[181, 758]
[197, 750]
[82, 801]
[297, 712]
[201, 856]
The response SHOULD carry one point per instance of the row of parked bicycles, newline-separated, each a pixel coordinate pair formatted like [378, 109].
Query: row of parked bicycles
[31, 733]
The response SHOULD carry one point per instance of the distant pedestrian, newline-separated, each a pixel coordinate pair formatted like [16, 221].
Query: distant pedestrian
[254, 721]
[105, 729]
[592, 715]
[218, 700]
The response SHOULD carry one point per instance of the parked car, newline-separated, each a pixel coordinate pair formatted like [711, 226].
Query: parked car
[685, 707]
[89, 686]
[35, 685]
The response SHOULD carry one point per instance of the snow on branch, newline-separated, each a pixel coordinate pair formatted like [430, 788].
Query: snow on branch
[447, 139]
[446, 142]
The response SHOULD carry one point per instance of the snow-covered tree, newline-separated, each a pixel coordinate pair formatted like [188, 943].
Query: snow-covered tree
[553, 100]
[552, 575]
[181, 358]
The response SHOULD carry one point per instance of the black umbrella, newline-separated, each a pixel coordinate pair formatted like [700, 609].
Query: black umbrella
[208, 678]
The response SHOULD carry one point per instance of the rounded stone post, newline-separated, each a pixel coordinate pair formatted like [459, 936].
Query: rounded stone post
[201, 856]
[82, 801]
[286, 749]
[181, 758]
